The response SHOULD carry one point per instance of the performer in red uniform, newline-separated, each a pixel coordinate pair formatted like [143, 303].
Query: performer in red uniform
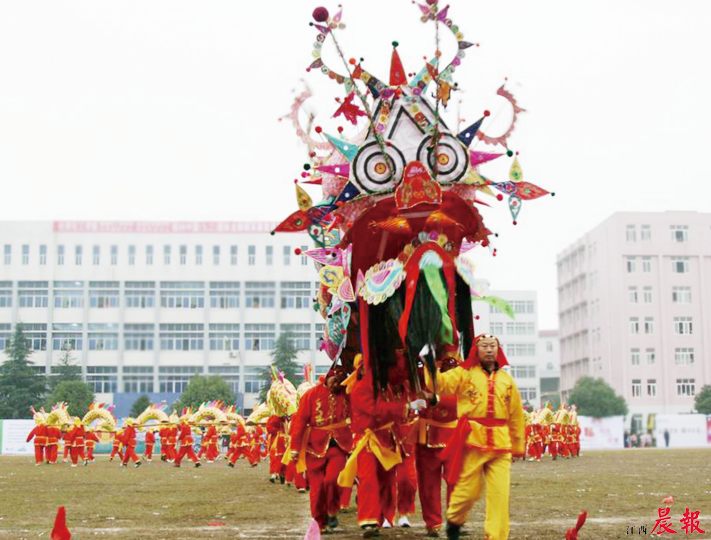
[53, 436]
[185, 437]
[150, 443]
[117, 446]
[535, 439]
[39, 433]
[255, 437]
[435, 429]
[240, 446]
[276, 441]
[172, 439]
[212, 451]
[128, 439]
[75, 439]
[90, 440]
[320, 442]
[66, 428]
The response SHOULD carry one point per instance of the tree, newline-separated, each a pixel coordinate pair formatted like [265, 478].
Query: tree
[77, 394]
[202, 389]
[65, 370]
[284, 359]
[21, 386]
[140, 405]
[702, 400]
[596, 398]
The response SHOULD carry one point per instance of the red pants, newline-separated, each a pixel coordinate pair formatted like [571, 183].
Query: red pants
[116, 450]
[298, 479]
[275, 464]
[51, 453]
[240, 451]
[376, 489]
[186, 450]
[345, 497]
[90, 453]
[323, 479]
[129, 452]
[406, 489]
[77, 453]
[212, 452]
[170, 453]
[203, 449]
[148, 452]
[66, 451]
[534, 451]
[558, 449]
[40, 453]
[431, 469]
[254, 456]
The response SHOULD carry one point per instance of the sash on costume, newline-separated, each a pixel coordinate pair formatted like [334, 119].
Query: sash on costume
[387, 458]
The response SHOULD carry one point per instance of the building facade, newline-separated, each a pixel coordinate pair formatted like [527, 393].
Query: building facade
[143, 306]
[635, 309]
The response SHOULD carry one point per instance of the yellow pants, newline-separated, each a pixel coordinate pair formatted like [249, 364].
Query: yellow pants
[477, 468]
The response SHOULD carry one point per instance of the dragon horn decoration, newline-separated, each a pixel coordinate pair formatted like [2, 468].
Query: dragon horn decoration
[400, 206]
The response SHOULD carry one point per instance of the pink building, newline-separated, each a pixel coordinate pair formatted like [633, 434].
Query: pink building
[635, 309]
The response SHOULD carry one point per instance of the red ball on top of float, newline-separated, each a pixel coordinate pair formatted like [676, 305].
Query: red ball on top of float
[320, 14]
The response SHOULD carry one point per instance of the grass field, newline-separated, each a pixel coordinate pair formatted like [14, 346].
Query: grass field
[156, 501]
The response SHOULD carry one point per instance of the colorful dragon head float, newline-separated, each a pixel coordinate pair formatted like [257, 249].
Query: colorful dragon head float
[282, 397]
[153, 412]
[400, 206]
[59, 415]
[101, 413]
[209, 412]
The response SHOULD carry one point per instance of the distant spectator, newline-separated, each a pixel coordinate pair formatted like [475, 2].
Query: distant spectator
[666, 437]
[634, 440]
[627, 439]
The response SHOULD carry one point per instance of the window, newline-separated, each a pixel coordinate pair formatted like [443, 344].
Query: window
[37, 335]
[166, 255]
[681, 295]
[295, 295]
[230, 374]
[523, 306]
[651, 387]
[523, 372]
[270, 255]
[103, 337]
[319, 334]
[685, 387]
[636, 387]
[182, 337]
[33, 294]
[252, 253]
[131, 255]
[67, 336]
[684, 356]
[5, 294]
[287, 255]
[114, 255]
[549, 346]
[304, 258]
[301, 334]
[496, 328]
[25, 254]
[649, 325]
[96, 255]
[183, 255]
[149, 255]
[182, 294]
[634, 325]
[102, 379]
[648, 295]
[646, 264]
[528, 393]
[521, 328]
[632, 293]
[77, 255]
[60, 255]
[8, 254]
[631, 233]
[198, 255]
[259, 337]
[68, 294]
[174, 379]
[104, 294]
[683, 325]
[521, 349]
[138, 337]
[224, 337]
[254, 379]
[631, 265]
[634, 356]
[5, 334]
[216, 255]
[679, 233]
[233, 255]
[651, 356]
[646, 235]
[680, 265]
[259, 294]
[138, 379]
[140, 294]
[224, 294]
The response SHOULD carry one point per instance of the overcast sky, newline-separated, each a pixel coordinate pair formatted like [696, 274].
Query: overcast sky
[168, 110]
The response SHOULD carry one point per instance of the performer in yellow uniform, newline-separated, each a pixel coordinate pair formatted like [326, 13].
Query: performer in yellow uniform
[490, 430]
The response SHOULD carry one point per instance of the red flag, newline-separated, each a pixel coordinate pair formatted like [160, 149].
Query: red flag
[572, 534]
[60, 531]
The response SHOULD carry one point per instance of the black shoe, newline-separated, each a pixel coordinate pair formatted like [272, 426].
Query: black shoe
[198, 464]
[282, 479]
[453, 531]
[163, 458]
[138, 464]
[272, 478]
[370, 531]
[231, 465]
[333, 522]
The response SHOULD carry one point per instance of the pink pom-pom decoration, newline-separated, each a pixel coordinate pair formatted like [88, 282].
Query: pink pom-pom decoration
[320, 14]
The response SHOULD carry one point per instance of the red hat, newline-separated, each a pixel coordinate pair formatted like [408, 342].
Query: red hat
[473, 359]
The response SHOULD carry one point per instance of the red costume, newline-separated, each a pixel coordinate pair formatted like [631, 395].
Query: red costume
[53, 436]
[128, 439]
[276, 441]
[240, 445]
[557, 446]
[212, 450]
[535, 441]
[39, 433]
[75, 441]
[117, 446]
[150, 443]
[322, 439]
[91, 438]
[185, 437]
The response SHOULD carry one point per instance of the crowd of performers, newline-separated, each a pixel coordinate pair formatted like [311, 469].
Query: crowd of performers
[555, 434]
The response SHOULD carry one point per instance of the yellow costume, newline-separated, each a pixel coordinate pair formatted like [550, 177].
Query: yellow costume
[490, 430]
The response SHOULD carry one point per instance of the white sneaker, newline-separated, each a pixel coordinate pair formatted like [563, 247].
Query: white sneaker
[386, 524]
[404, 522]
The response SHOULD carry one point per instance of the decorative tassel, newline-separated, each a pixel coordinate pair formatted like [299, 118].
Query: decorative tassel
[572, 534]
